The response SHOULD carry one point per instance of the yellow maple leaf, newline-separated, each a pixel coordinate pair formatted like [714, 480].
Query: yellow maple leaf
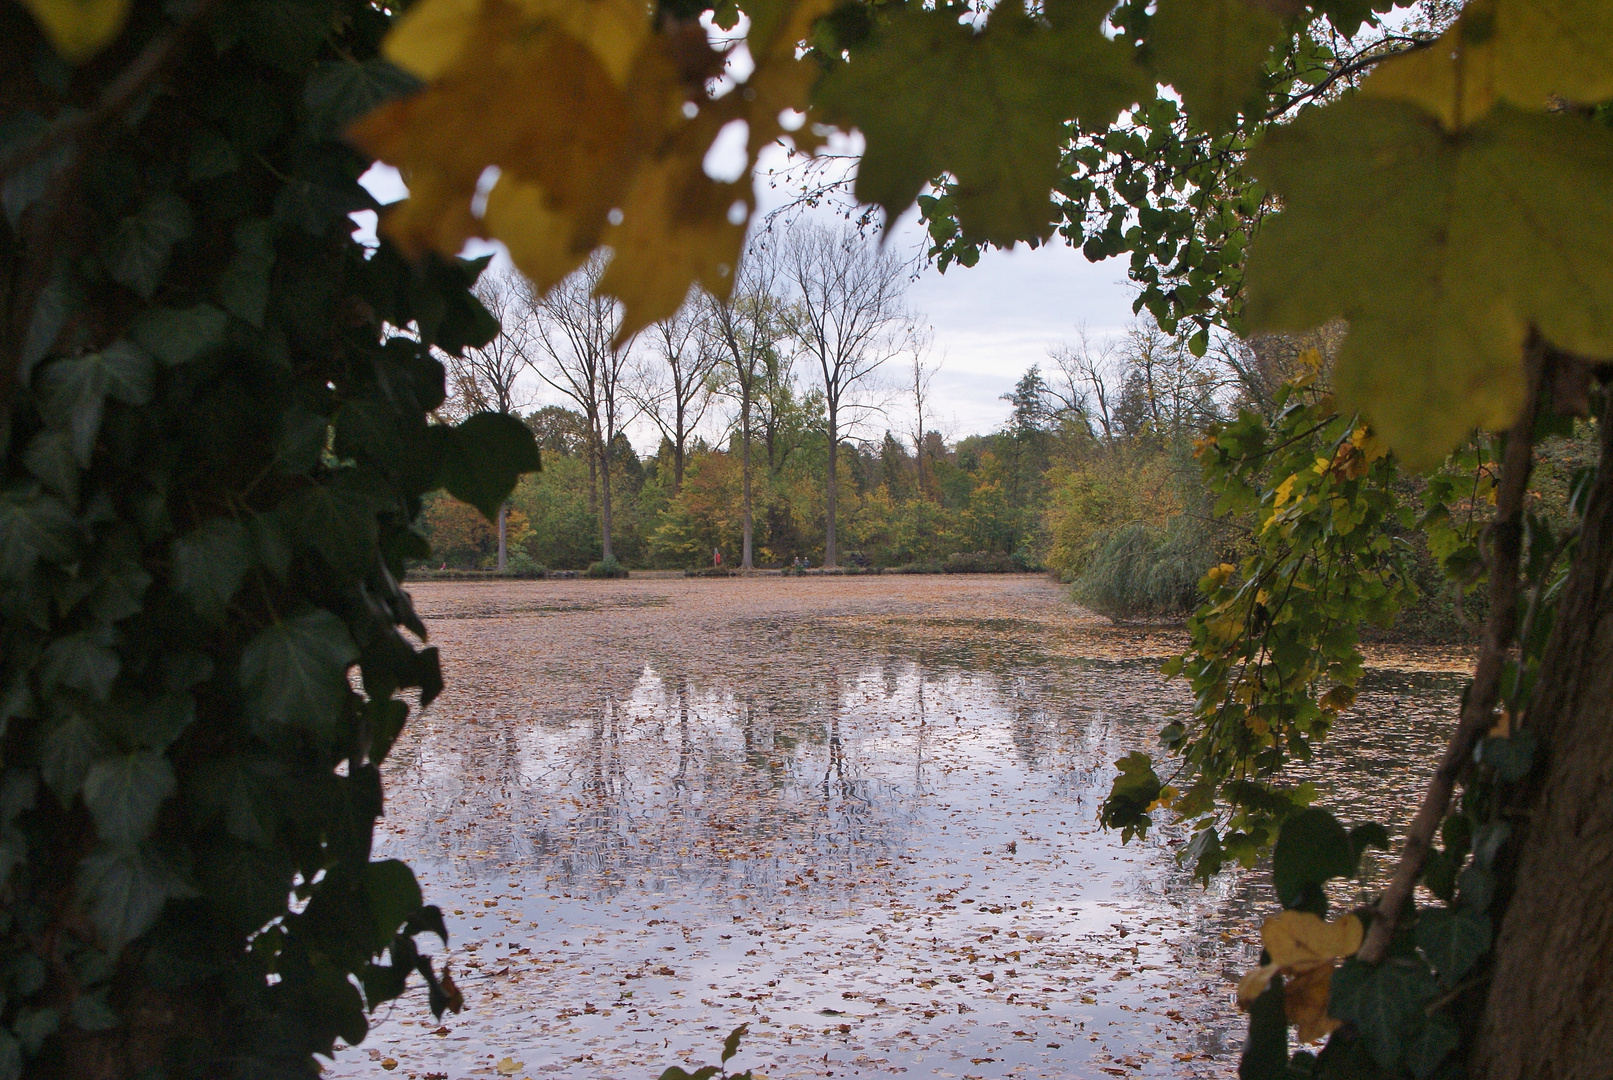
[1521, 51]
[1285, 490]
[1304, 950]
[78, 29]
[598, 120]
[1337, 699]
[434, 36]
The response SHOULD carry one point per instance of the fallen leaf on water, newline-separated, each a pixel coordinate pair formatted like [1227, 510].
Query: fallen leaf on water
[509, 1067]
[389, 1064]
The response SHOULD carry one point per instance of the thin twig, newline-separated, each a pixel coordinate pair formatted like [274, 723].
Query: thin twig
[1506, 537]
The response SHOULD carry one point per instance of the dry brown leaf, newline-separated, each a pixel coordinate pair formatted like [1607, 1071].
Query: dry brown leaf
[1304, 950]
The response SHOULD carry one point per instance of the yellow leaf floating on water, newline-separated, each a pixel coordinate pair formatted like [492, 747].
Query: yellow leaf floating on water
[598, 123]
[509, 1067]
[79, 28]
[1303, 949]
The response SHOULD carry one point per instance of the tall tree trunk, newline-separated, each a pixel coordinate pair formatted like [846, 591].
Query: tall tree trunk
[604, 500]
[747, 525]
[829, 553]
[918, 457]
[677, 450]
[503, 532]
[1549, 1015]
[593, 477]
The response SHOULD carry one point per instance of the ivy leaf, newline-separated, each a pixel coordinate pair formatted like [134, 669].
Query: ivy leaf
[243, 287]
[1441, 252]
[209, 563]
[339, 93]
[1265, 1049]
[78, 29]
[1213, 53]
[136, 254]
[1453, 941]
[1438, 1039]
[484, 457]
[125, 792]
[33, 526]
[126, 887]
[933, 96]
[295, 671]
[393, 895]
[84, 661]
[49, 457]
[730, 1045]
[1385, 1003]
[239, 790]
[338, 520]
[74, 391]
[1312, 849]
[178, 336]
[68, 748]
[10, 1056]
[1364, 836]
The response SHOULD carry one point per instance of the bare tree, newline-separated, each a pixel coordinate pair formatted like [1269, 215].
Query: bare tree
[1088, 390]
[572, 328]
[488, 379]
[848, 317]
[923, 373]
[747, 328]
[676, 390]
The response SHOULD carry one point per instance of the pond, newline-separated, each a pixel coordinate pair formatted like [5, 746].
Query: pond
[856, 814]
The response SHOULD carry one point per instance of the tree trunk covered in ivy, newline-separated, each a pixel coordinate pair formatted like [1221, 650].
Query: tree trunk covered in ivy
[1550, 1009]
[214, 446]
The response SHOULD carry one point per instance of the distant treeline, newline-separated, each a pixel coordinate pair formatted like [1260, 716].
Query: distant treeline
[1095, 455]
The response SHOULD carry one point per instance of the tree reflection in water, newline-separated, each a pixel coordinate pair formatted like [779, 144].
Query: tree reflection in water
[874, 843]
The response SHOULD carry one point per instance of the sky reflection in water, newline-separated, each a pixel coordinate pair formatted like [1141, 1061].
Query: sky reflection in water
[877, 848]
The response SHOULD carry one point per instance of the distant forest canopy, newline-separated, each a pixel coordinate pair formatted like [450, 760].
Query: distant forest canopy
[1095, 442]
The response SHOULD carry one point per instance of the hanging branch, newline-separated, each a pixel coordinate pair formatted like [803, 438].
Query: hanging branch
[1505, 536]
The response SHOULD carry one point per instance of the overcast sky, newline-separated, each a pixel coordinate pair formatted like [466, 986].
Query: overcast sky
[991, 321]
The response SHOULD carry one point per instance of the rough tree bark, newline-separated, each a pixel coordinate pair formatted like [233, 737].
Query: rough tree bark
[1549, 1014]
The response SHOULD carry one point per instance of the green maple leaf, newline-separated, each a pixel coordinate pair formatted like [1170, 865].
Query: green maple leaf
[933, 96]
[1212, 52]
[1442, 250]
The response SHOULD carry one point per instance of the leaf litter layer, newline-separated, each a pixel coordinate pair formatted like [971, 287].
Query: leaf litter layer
[857, 814]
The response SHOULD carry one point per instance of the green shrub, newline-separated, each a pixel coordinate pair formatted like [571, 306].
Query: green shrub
[980, 562]
[1140, 572]
[607, 567]
[522, 565]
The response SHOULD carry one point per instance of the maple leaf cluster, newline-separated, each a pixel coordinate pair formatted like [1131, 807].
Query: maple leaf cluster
[597, 122]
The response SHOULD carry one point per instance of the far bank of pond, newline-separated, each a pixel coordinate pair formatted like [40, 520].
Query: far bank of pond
[856, 813]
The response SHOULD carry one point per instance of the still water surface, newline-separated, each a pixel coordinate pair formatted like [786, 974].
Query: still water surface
[857, 814]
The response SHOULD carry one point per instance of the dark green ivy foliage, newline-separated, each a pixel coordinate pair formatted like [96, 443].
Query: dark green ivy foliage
[216, 436]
